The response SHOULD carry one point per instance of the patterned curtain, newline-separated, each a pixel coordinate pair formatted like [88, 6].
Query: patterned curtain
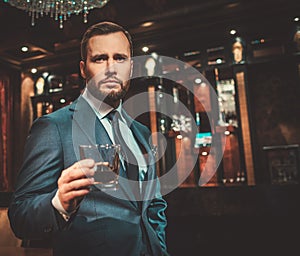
[5, 132]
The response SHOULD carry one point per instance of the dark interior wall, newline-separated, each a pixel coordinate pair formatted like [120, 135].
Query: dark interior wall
[9, 125]
[5, 133]
[274, 92]
[252, 220]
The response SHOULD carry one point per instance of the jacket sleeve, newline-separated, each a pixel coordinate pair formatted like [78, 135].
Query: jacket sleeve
[156, 211]
[158, 220]
[31, 213]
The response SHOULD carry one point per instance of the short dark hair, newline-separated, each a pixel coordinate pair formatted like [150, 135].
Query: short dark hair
[102, 28]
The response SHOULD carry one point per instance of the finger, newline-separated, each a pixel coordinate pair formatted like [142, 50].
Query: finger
[82, 165]
[77, 171]
[77, 185]
[75, 195]
[86, 166]
[85, 163]
[80, 177]
[69, 175]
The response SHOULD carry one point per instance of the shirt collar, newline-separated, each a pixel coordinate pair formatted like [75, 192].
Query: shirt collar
[100, 107]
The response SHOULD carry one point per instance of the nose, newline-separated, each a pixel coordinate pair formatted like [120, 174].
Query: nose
[110, 67]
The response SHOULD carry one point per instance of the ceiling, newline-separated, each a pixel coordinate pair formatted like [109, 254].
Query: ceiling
[178, 26]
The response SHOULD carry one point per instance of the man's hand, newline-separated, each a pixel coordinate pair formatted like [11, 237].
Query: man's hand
[74, 183]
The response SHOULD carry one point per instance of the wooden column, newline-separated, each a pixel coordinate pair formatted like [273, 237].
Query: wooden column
[245, 125]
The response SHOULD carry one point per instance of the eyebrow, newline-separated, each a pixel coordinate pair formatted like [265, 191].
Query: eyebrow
[105, 56]
[123, 55]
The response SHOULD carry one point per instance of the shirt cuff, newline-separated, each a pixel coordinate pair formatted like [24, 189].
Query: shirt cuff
[58, 206]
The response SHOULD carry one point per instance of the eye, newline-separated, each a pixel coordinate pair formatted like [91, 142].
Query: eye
[99, 58]
[120, 58]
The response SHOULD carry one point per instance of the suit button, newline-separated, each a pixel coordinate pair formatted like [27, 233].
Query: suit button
[47, 229]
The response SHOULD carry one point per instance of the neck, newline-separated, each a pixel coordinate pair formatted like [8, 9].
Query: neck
[113, 103]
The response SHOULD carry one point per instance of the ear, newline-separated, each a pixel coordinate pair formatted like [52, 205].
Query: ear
[82, 69]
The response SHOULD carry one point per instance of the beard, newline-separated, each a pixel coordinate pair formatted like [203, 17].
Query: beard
[113, 96]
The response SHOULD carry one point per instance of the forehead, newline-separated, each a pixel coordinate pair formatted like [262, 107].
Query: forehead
[111, 43]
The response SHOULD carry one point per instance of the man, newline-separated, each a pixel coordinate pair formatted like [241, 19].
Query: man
[55, 197]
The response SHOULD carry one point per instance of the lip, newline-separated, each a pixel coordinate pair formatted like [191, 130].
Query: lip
[111, 83]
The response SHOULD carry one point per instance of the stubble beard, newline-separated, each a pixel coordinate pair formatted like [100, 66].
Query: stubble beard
[112, 98]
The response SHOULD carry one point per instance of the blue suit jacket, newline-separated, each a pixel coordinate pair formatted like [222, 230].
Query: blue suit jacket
[104, 224]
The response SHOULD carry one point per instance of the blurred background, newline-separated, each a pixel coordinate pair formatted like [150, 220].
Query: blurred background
[248, 54]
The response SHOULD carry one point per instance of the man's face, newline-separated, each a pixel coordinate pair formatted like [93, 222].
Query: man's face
[108, 67]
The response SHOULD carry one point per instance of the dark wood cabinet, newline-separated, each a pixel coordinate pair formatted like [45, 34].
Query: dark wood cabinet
[58, 91]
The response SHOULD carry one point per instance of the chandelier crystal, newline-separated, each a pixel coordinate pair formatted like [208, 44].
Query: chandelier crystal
[60, 10]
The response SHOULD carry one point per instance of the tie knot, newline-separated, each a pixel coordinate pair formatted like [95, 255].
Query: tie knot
[113, 115]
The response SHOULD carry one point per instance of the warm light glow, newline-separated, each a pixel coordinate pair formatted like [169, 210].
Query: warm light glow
[147, 24]
[219, 61]
[40, 83]
[150, 66]
[227, 132]
[204, 153]
[33, 70]
[233, 5]
[24, 49]
[145, 49]
[179, 136]
[62, 101]
[198, 80]
[154, 55]
[45, 74]
[296, 19]
[232, 32]
[192, 53]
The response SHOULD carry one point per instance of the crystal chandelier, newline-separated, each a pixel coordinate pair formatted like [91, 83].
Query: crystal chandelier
[60, 10]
